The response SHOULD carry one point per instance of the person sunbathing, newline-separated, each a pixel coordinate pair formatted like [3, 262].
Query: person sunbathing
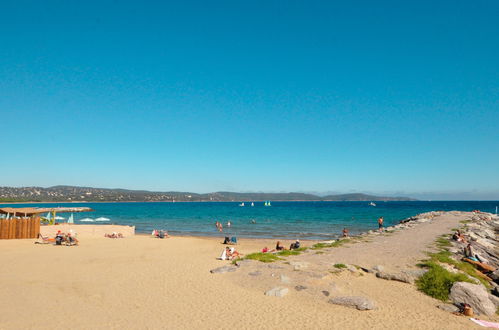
[278, 246]
[266, 249]
[459, 237]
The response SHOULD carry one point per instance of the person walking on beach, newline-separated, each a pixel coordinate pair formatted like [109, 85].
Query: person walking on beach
[380, 223]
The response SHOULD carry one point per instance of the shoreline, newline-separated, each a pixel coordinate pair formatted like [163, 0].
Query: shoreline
[142, 282]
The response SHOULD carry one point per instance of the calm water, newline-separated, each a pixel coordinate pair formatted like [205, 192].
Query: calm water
[307, 220]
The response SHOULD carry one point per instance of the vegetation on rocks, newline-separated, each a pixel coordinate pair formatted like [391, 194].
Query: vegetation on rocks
[340, 266]
[438, 281]
[263, 257]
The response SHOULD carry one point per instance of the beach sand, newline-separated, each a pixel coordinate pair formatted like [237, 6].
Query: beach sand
[143, 282]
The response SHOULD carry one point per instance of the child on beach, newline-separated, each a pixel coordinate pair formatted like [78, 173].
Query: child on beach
[345, 232]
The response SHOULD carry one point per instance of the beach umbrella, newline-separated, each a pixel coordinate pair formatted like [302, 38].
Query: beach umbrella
[87, 220]
[102, 219]
[70, 219]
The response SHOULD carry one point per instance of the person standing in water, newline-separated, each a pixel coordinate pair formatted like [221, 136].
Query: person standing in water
[380, 223]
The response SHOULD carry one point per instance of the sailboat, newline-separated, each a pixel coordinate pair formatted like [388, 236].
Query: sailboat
[267, 203]
[70, 219]
[252, 204]
[372, 204]
[242, 204]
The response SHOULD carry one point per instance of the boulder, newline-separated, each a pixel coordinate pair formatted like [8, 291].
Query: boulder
[378, 268]
[475, 295]
[277, 292]
[401, 277]
[448, 308]
[326, 293]
[223, 269]
[358, 302]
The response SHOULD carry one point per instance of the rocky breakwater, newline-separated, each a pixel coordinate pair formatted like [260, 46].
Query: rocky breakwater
[480, 232]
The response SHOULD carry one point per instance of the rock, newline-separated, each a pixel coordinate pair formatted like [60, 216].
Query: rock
[326, 293]
[395, 277]
[245, 262]
[495, 275]
[223, 269]
[277, 292]
[415, 273]
[378, 268]
[361, 303]
[352, 269]
[255, 273]
[285, 279]
[298, 265]
[496, 291]
[300, 287]
[273, 266]
[448, 308]
[474, 295]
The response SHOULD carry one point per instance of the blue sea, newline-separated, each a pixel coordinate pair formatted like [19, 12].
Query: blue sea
[305, 220]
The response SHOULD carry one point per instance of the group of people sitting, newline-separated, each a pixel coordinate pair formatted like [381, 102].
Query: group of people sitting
[114, 235]
[59, 239]
[471, 256]
[280, 247]
[230, 240]
[160, 234]
[66, 238]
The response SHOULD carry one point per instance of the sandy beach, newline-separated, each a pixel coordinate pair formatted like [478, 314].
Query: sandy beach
[143, 282]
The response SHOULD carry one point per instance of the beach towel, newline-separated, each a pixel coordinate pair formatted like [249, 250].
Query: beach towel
[486, 324]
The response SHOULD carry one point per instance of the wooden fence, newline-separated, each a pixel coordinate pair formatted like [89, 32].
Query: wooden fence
[20, 228]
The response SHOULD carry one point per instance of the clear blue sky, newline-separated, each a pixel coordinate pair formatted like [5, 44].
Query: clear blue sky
[367, 96]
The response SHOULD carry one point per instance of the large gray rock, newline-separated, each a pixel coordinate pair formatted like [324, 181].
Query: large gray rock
[402, 277]
[361, 303]
[223, 269]
[277, 292]
[379, 268]
[475, 295]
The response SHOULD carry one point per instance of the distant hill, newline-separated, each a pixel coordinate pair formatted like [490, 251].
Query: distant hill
[88, 194]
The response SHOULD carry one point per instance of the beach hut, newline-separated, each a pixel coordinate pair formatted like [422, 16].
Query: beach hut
[16, 223]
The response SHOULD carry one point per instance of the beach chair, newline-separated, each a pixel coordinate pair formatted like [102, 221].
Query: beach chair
[44, 239]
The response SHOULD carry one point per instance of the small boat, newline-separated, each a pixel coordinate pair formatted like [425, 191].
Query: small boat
[102, 219]
[372, 204]
[242, 204]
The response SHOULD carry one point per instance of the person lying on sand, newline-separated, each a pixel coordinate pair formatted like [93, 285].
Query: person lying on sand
[266, 249]
[458, 236]
[278, 246]
[114, 235]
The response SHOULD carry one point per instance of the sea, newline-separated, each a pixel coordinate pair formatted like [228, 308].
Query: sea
[285, 220]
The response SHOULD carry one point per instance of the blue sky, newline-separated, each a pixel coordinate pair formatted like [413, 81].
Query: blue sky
[360, 96]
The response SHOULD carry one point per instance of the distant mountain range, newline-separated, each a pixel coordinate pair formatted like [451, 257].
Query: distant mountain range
[87, 194]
